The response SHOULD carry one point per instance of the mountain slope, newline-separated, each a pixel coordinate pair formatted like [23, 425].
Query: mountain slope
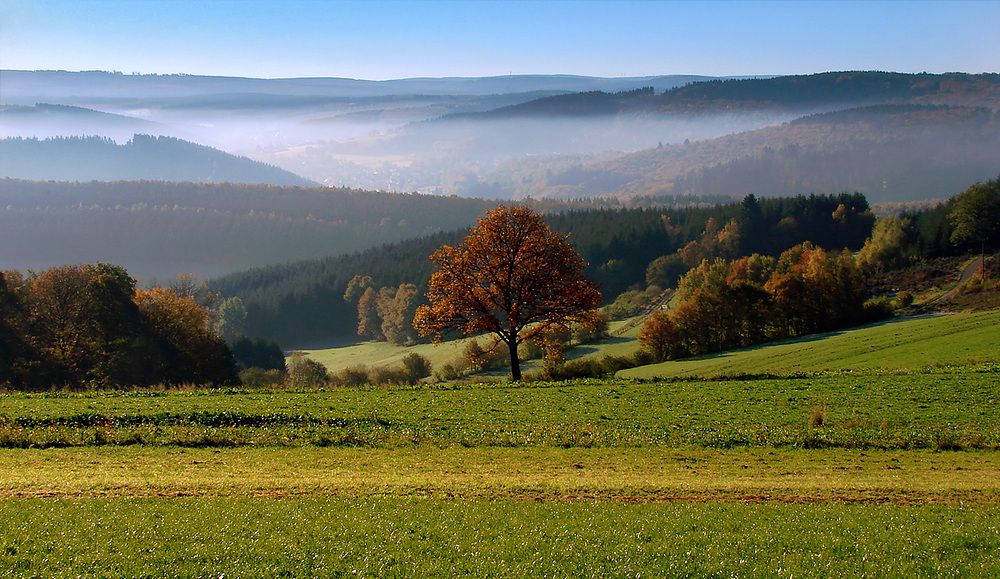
[29, 87]
[142, 158]
[47, 120]
[890, 153]
[160, 229]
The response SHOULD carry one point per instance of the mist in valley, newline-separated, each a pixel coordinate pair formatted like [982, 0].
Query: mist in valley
[407, 135]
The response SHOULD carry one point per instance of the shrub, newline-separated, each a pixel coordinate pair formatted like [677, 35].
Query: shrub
[903, 300]
[817, 417]
[477, 359]
[304, 372]
[877, 309]
[351, 376]
[447, 373]
[417, 367]
[389, 375]
[257, 377]
[585, 335]
[530, 350]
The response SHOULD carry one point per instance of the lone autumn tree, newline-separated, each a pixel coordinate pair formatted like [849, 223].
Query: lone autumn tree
[512, 277]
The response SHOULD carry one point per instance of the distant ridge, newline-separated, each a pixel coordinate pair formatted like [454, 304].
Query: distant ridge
[142, 158]
[29, 87]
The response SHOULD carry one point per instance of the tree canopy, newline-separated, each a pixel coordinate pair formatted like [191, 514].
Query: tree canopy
[512, 277]
[976, 213]
[79, 326]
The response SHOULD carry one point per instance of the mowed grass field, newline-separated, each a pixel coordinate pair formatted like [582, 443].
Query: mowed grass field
[797, 468]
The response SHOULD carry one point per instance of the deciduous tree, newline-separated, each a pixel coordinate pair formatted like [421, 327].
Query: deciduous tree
[512, 277]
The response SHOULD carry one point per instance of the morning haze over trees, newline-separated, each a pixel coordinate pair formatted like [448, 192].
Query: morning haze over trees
[759, 209]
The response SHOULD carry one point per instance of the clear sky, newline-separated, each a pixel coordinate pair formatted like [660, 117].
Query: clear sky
[380, 39]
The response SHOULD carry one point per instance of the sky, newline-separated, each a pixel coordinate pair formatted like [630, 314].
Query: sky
[381, 39]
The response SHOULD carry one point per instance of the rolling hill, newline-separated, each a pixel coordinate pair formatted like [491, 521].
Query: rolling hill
[652, 138]
[159, 229]
[552, 135]
[889, 152]
[142, 158]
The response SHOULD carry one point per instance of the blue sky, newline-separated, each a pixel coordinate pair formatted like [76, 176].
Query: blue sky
[399, 39]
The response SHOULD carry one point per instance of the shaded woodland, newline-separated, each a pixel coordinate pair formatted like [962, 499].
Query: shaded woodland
[159, 229]
[303, 303]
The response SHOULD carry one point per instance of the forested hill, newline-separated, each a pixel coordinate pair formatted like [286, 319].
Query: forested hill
[582, 104]
[820, 92]
[889, 152]
[846, 89]
[144, 157]
[44, 120]
[302, 304]
[159, 229]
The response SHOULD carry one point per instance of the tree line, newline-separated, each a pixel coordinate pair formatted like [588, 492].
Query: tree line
[726, 304]
[303, 303]
[80, 326]
[730, 303]
[207, 228]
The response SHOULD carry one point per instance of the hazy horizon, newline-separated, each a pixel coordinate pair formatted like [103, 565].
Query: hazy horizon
[390, 40]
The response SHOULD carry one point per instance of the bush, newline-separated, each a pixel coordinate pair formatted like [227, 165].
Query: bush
[306, 373]
[904, 299]
[477, 359]
[387, 375]
[877, 309]
[585, 335]
[530, 350]
[587, 368]
[417, 367]
[260, 378]
[351, 376]
[447, 373]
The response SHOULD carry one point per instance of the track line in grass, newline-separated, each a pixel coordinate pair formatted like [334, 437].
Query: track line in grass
[626, 475]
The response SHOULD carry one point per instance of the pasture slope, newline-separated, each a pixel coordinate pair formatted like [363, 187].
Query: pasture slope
[868, 453]
[898, 345]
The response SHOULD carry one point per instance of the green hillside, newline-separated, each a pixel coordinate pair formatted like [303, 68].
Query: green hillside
[908, 344]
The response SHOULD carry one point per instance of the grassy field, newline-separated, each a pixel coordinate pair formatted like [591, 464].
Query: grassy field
[898, 344]
[887, 465]
[911, 344]
[379, 354]
[394, 537]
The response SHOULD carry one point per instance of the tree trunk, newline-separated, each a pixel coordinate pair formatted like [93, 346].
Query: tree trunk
[515, 362]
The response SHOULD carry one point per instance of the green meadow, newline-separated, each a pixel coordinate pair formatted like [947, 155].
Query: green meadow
[901, 345]
[873, 452]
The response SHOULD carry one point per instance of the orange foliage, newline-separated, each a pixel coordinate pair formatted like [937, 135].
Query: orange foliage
[512, 277]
